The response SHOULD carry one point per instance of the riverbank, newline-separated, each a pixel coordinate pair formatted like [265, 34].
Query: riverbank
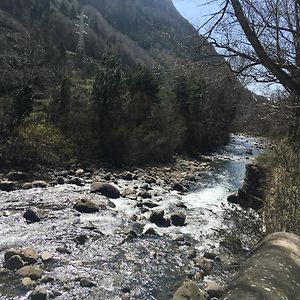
[171, 222]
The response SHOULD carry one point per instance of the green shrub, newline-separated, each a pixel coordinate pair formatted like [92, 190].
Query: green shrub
[39, 143]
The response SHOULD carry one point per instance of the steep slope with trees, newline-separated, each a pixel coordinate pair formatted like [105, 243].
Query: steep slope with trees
[123, 82]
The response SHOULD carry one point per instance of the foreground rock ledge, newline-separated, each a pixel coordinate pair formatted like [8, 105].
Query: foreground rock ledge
[272, 271]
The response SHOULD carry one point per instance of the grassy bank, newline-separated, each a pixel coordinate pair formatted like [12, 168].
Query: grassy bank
[282, 203]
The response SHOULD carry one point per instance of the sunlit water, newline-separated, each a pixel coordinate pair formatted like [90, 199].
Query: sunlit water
[148, 266]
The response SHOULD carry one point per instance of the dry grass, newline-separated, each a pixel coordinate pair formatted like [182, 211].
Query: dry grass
[282, 203]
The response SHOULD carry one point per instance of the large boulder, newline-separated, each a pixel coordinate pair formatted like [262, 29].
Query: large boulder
[272, 270]
[188, 291]
[106, 189]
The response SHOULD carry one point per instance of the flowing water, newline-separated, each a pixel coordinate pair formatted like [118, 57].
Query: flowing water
[115, 259]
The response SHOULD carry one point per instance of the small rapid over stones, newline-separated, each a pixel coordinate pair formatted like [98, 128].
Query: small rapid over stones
[141, 245]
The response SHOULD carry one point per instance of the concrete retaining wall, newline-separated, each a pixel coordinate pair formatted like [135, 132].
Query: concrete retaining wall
[271, 272]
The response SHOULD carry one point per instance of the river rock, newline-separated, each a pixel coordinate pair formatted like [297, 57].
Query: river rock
[205, 265]
[27, 186]
[17, 176]
[214, 289]
[150, 204]
[86, 206]
[77, 181]
[178, 218]
[157, 217]
[31, 216]
[127, 176]
[79, 172]
[179, 187]
[29, 255]
[234, 198]
[27, 282]
[149, 179]
[188, 291]
[128, 192]
[46, 256]
[7, 186]
[39, 294]
[11, 252]
[106, 189]
[30, 271]
[63, 250]
[144, 194]
[60, 180]
[85, 282]
[39, 184]
[15, 262]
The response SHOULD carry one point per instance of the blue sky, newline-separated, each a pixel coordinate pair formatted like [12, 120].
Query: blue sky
[195, 10]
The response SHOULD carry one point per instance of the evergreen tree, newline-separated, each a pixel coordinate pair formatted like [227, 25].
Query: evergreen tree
[108, 97]
[22, 105]
[108, 88]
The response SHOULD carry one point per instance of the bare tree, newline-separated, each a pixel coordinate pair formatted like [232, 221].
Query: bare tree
[261, 40]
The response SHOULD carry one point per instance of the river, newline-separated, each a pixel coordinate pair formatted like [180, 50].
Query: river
[118, 257]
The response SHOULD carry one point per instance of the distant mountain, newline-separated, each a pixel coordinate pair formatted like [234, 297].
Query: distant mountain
[142, 30]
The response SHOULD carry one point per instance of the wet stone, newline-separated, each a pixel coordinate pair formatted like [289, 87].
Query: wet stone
[15, 262]
[79, 172]
[157, 217]
[29, 255]
[30, 271]
[17, 176]
[47, 279]
[27, 186]
[81, 239]
[144, 195]
[127, 176]
[39, 184]
[7, 186]
[27, 282]
[150, 204]
[189, 290]
[63, 250]
[214, 289]
[178, 218]
[85, 282]
[39, 294]
[31, 216]
[46, 256]
[179, 187]
[60, 180]
[204, 265]
[86, 206]
[106, 189]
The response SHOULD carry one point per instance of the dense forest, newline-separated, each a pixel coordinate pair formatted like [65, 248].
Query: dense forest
[123, 83]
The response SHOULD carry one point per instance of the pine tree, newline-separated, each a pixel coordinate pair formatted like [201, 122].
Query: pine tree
[22, 105]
